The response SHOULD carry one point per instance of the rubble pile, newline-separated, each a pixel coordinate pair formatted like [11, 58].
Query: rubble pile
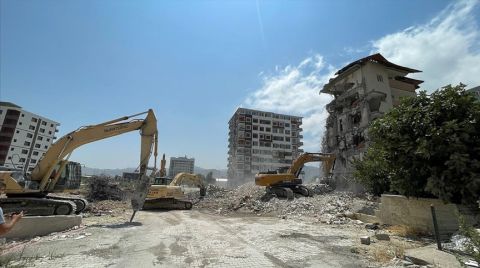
[103, 188]
[107, 207]
[328, 207]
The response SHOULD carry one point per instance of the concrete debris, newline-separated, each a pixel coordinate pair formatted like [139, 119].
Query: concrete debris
[104, 188]
[382, 236]
[106, 207]
[325, 205]
[365, 240]
[372, 226]
[458, 243]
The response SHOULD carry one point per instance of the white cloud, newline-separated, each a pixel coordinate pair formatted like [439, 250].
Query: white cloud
[446, 49]
[294, 90]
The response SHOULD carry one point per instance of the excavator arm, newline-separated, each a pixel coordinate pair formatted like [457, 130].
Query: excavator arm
[297, 165]
[62, 149]
[184, 177]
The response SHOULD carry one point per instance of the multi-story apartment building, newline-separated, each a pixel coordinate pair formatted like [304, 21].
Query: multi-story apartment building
[261, 141]
[180, 164]
[363, 91]
[24, 137]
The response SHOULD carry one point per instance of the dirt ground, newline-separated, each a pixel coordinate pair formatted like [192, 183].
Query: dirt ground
[199, 238]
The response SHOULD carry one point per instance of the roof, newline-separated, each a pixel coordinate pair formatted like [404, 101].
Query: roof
[409, 80]
[9, 104]
[379, 59]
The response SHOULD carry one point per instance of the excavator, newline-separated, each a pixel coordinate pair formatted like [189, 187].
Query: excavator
[31, 192]
[171, 196]
[284, 182]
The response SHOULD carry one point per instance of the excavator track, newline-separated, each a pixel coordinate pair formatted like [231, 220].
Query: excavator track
[80, 203]
[167, 204]
[289, 191]
[32, 206]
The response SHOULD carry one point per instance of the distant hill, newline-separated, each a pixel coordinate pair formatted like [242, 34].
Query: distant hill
[217, 173]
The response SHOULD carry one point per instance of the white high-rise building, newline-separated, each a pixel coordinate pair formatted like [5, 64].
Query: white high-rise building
[261, 141]
[24, 137]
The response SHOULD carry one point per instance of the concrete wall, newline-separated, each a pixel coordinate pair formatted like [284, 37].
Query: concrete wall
[416, 213]
[32, 226]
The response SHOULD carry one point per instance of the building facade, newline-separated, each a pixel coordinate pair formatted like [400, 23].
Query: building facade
[180, 164]
[363, 91]
[261, 141]
[24, 137]
[475, 91]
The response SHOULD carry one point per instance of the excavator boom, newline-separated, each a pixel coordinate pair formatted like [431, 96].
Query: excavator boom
[45, 175]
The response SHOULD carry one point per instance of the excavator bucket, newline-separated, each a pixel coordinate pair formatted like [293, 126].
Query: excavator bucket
[138, 198]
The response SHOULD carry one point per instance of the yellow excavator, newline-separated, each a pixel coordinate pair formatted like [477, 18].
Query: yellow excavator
[171, 196]
[31, 193]
[284, 182]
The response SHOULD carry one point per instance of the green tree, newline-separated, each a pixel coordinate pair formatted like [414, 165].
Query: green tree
[427, 146]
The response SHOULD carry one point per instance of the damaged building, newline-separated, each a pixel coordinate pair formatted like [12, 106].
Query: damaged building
[363, 91]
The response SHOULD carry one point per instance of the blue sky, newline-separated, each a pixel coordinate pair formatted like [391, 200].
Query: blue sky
[195, 62]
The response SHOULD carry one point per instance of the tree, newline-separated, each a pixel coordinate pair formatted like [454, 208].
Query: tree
[427, 146]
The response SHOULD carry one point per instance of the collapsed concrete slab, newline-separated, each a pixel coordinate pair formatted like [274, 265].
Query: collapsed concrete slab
[431, 255]
[32, 226]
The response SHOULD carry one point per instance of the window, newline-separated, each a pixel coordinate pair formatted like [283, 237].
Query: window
[255, 120]
[18, 131]
[11, 149]
[262, 129]
[287, 125]
[1, 111]
[248, 127]
[248, 119]
[51, 125]
[33, 161]
[255, 135]
[44, 123]
[48, 139]
[268, 129]
[40, 138]
[20, 123]
[30, 168]
[379, 78]
[14, 140]
[9, 157]
[22, 160]
[42, 130]
[37, 145]
[49, 132]
[46, 147]
[287, 131]
[34, 119]
[255, 127]
[24, 151]
[248, 135]
[287, 139]
[27, 143]
[262, 136]
[31, 127]
[29, 135]
[23, 115]
[35, 152]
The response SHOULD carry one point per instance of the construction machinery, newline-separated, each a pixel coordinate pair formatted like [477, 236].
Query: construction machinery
[284, 182]
[171, 196]
[31, 192]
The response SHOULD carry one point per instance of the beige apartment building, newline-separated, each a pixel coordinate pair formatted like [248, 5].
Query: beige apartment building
[363, 91]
